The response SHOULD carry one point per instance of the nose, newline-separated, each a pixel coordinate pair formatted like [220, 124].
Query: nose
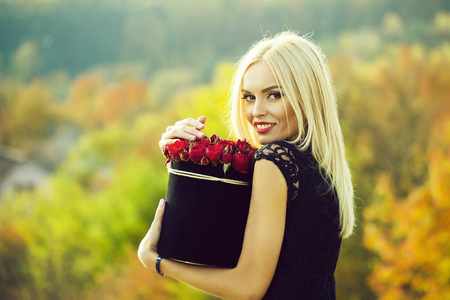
[259, 108]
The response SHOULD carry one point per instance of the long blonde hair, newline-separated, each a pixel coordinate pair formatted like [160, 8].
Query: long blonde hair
[301, 69]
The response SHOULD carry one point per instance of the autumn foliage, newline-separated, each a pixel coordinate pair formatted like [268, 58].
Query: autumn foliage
[407, 143]
[411, 234]
[97, 133]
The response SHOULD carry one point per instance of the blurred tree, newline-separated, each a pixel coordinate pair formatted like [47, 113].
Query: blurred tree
[72, 235]
[15, 277]
[77, 35]
[122, 101]
[28, 115]
[394, 98]
[83, 99]
[410, 235]
[131, 280]
[26, 61]
[388, 108]
[167, 82]
[208, 100]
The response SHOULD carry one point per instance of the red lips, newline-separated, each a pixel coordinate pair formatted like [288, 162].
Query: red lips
[263, 127]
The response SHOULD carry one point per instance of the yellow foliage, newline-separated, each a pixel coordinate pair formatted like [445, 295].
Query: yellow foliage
[83, 99]
[27, 116]
[411, 235]
[207, 100]
[442, 22]
[121, 101]
[26, 60]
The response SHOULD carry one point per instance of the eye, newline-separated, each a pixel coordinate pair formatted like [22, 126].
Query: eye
[248, 97]
[274, 96]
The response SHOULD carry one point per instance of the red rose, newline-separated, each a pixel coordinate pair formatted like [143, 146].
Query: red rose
[213, 153]
[243, 146]
[226, 158]
[204, 143]
[196, 153]
[214, 139]
[203, 139]
[176, 149]
[240, 162]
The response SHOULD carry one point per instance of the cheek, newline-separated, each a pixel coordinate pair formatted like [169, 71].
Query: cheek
[292, 119]
[293, 124]
[248, 112]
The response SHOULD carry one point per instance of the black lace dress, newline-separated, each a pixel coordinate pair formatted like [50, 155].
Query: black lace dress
[311, 243]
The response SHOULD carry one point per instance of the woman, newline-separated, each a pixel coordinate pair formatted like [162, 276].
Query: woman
[302, 197]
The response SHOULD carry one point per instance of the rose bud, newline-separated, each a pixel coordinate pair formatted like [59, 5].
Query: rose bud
[243, 146]
[203, 139]
[204, 161]
[214, 139]
[186, 145]
[184, 156]
[226, 158]
[231, 149]
[240, 163]
[196, 153]
[213, 153]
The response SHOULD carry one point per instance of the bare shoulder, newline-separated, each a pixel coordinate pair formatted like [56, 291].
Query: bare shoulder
[267, 175]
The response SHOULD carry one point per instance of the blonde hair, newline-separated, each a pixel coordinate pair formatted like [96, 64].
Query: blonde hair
[301, 70]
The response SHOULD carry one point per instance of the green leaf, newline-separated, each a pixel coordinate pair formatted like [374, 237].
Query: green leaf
[225, 168]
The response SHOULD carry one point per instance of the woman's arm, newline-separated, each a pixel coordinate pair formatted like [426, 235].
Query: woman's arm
[264, 233]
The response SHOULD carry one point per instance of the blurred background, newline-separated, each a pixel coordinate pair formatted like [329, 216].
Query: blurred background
[87, 87]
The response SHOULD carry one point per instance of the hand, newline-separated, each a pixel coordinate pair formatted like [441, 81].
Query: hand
[148, 249]
[188, 129]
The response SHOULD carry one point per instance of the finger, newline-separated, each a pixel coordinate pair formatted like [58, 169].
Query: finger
[157, 221]
[182, 132]
[155, 229]
[201, 120]
[160, 211]
[192, 123]
[188, 129]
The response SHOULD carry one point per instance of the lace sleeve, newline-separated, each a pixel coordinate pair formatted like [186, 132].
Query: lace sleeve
[283, 156]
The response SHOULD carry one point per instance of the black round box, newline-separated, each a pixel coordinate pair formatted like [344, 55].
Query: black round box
[204, 220]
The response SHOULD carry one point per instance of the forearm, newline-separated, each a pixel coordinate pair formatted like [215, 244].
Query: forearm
[249, 277]
[224, 283]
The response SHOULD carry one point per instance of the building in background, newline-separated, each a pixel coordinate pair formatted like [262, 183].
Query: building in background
[17, 173]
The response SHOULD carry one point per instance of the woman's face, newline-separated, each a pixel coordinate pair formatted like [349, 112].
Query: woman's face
[264, 107]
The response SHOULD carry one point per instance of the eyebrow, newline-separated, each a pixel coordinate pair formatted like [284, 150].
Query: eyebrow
[264, 90]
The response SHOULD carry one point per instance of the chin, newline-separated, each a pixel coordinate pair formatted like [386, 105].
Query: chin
[265, 140]
[268, 139]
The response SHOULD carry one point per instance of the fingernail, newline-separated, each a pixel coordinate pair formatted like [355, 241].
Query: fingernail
[200, 134]
[191, 137]
[201, 125]
[161, 202]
